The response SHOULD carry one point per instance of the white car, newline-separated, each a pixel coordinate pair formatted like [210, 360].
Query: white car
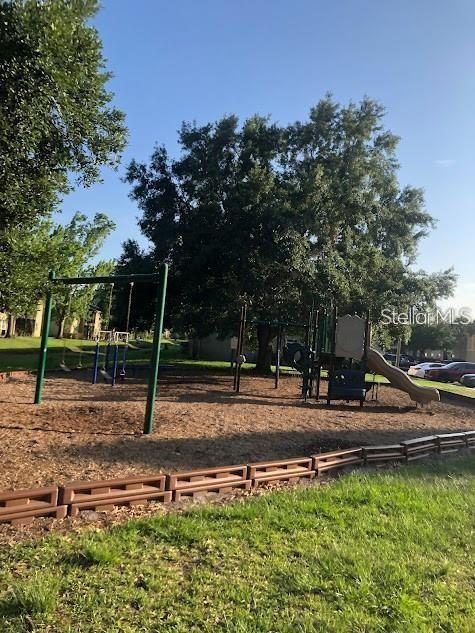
[419, 371]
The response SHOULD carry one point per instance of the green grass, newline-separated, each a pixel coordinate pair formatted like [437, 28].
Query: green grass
[34, 598]
[442, 386]
[445, 386]
[22, 353]
[391, 551]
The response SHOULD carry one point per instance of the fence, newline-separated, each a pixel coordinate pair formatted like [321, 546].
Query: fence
[22, 506]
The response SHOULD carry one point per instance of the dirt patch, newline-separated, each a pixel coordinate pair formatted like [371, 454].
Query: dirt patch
[82, 431]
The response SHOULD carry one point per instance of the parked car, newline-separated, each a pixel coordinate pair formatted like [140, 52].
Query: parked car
[451, 372]
[404, 361]
[468, 380]
[419, 371]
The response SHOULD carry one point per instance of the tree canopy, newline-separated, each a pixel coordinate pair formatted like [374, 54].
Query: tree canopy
[441, 336]
[277, 215]
[68, 249]
[56, 117]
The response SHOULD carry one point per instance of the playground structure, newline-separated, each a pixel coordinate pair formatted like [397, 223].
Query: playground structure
[344, 341]
[114, 335]
[160, 279]
[112, 339]
[341, 345]
[239, 358]
[400, 379]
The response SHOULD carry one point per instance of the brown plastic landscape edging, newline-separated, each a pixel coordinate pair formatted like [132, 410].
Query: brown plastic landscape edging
[451, 442]
[15, 373]
[282, 470]
[22, 506]
[383, 453]
[420, 447]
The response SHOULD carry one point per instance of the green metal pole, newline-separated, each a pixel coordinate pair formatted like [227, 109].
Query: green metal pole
[40, 378]
[157, 336]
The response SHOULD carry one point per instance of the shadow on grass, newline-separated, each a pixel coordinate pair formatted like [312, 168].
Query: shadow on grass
[93, 553]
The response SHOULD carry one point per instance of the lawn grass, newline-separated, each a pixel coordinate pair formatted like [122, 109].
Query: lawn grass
[446, 386]
[21, 353]
[373, 551]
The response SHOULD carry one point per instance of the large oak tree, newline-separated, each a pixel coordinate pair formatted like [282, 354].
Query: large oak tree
[280, 215]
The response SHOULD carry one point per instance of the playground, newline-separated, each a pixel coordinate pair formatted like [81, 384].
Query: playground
[86, 431]
[108, 419]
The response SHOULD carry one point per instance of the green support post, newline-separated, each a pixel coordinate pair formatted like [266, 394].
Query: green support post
[157, 336]
[277, 356]
[40, 378]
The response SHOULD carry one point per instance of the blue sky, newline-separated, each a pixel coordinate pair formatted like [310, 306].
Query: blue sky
[199, 59]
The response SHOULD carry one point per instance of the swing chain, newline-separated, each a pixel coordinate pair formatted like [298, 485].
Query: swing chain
[109, 307]
[131, 287]
[126, 346]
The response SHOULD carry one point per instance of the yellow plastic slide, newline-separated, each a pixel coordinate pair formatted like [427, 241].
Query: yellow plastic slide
[400, 380]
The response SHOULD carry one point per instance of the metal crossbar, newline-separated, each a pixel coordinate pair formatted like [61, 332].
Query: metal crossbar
[111, 279]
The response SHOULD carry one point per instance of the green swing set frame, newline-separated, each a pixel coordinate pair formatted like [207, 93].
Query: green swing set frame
[160, 279]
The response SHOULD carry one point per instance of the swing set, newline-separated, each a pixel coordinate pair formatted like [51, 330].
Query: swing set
[160, 279]
[112, 339]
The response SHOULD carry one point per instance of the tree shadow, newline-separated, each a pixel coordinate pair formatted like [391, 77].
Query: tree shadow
[153, 453]
[198, 389]
[457, 400]
[371, 407]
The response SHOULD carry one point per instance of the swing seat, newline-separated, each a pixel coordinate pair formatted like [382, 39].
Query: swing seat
[64, 367]
[107, 377]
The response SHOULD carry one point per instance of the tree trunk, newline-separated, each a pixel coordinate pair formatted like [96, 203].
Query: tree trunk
[264, 350]
[60, 333]
[11, 327]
